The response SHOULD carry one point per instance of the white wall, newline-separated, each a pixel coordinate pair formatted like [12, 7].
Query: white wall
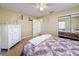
[10, 17]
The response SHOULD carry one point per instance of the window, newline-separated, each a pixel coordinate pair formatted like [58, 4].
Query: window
[61, 25]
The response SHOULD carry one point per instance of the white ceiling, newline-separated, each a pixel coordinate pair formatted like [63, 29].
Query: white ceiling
[30, 10]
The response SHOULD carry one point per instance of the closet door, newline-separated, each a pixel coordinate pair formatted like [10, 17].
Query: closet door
[75, 23]
[64, 24]
[0, 39]
[75, 26]
[64, 28]
[16, 33]
[10, 36]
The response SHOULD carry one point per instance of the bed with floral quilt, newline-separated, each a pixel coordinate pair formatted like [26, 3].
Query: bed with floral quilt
[52, 46]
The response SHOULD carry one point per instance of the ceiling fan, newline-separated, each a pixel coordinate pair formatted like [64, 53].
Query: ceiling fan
[41, 6]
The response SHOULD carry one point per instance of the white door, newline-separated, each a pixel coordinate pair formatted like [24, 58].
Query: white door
[36, 27]
[0, 39]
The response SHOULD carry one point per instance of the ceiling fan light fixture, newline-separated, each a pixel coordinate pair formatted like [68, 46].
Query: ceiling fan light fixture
[41, 6]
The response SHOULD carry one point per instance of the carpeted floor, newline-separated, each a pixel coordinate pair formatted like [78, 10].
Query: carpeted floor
[15, 50]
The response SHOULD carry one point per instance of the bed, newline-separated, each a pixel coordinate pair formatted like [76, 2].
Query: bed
[52, 46]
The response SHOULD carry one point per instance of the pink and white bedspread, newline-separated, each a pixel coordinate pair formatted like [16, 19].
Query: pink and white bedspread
[53, 47]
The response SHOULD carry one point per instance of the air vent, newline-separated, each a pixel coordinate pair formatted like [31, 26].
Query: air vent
[30, 18]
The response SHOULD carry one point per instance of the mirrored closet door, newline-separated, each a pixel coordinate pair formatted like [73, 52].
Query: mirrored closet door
[75, 26]
[64, 24]
[68, 26]
[0, 41]
[64, 27]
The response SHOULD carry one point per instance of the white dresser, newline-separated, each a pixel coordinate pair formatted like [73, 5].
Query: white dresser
[11, 34]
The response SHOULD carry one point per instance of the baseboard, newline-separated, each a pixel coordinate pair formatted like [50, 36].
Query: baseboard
[26, 36]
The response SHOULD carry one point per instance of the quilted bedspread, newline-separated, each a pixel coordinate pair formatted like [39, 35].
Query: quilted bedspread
[54, 46]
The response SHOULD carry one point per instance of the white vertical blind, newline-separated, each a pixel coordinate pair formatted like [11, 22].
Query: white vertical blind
[36, 27]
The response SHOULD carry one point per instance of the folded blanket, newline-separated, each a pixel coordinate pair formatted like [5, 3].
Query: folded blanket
[35, 41]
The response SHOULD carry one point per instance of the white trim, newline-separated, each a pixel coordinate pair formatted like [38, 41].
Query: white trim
[26, 36]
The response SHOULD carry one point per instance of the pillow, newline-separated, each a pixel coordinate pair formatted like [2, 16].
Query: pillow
[37, 40]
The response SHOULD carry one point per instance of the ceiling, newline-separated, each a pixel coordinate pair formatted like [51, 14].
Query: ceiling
[30, 10]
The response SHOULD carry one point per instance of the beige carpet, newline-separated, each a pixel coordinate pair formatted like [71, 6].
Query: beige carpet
[15, 50]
